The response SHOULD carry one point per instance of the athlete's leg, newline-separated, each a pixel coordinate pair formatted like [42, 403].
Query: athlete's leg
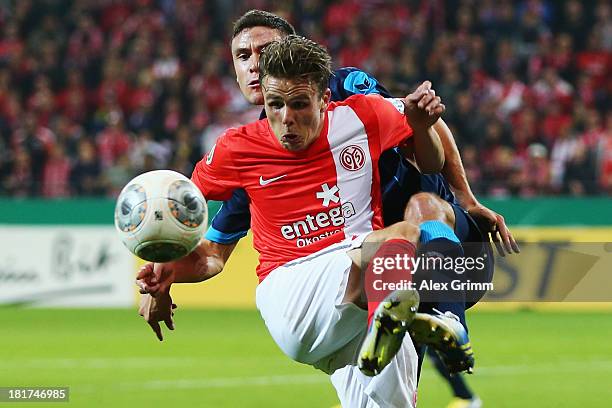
[438, 242]
[429, 207]
[389, 311]
[302, 306]
[309, 311]
[436, 219]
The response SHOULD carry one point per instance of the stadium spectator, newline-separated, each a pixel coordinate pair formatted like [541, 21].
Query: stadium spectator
[580, 173]
[163, 65]
[113, 141]
[118, 175]
[20, 182]
[56, 173]
[534, 175]
[604, 151]
[85, 175]
[562, 152]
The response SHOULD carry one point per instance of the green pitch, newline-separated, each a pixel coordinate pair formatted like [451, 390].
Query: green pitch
[226, 359]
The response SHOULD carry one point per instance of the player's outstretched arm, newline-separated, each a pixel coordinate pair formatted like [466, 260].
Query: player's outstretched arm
[423, 109]
[491, 222]
[207, 260]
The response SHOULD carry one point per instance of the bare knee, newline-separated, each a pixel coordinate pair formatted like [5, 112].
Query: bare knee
[405, 230]
[427, 207]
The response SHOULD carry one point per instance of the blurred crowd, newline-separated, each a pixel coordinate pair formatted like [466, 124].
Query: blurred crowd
[93, 92]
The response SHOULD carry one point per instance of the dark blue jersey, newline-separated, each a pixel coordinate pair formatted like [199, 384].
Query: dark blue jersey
[399, 179]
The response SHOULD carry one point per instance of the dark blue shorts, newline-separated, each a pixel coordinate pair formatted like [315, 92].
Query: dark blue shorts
[475, 244]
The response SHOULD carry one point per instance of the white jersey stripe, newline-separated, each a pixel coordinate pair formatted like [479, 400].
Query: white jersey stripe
[348, 142]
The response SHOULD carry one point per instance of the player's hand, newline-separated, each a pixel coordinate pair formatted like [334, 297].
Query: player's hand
[423, 107]
[494, 224]
[157, 309]
[155, 278]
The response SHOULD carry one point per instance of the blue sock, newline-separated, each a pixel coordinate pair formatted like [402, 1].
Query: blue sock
[434, 229]
[438, 239]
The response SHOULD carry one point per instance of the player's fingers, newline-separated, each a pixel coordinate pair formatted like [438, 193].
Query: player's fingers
[505, 238]
[511, 246]
[425, 86]
[145, 271]
[170, 322]
[147, 279]
[145, 283]
[419, 92]
[141, 285]
[500, 249]
[425, 100]
[496, 242]
[157, 329]
[509, 242]
[144, 287]
[414, 97]
[514, 244]
[433, 105]
[440, 109]
[152, 290]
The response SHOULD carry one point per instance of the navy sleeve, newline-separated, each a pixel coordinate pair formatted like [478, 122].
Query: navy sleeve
[233, 220]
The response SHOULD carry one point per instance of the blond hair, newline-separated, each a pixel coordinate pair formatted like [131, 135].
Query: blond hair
[296, 57]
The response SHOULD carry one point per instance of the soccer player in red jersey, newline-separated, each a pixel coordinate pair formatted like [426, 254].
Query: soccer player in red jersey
[310, 173]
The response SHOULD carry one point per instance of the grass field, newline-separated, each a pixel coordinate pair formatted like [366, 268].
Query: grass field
[109, 358]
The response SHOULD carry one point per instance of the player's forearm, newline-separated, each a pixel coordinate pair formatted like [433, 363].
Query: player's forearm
[453, 169]
[428, 150]
[206, 261]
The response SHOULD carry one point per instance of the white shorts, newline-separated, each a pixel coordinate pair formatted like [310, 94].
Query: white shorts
[302, 305]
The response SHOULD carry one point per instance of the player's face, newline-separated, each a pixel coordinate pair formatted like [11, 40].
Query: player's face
[246, 49]
[295, 110]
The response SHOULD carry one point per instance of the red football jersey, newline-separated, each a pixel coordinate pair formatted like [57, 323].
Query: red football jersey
[302, 202]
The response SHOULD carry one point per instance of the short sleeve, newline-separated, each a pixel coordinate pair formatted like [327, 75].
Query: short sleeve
[233, 220]
[216, 175]
[352, 81]
[392, 124]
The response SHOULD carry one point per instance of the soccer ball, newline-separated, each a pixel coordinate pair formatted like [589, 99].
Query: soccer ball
[161, 216]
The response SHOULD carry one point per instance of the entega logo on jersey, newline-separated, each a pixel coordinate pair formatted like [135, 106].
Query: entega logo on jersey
[312, 223]
[335, 217]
